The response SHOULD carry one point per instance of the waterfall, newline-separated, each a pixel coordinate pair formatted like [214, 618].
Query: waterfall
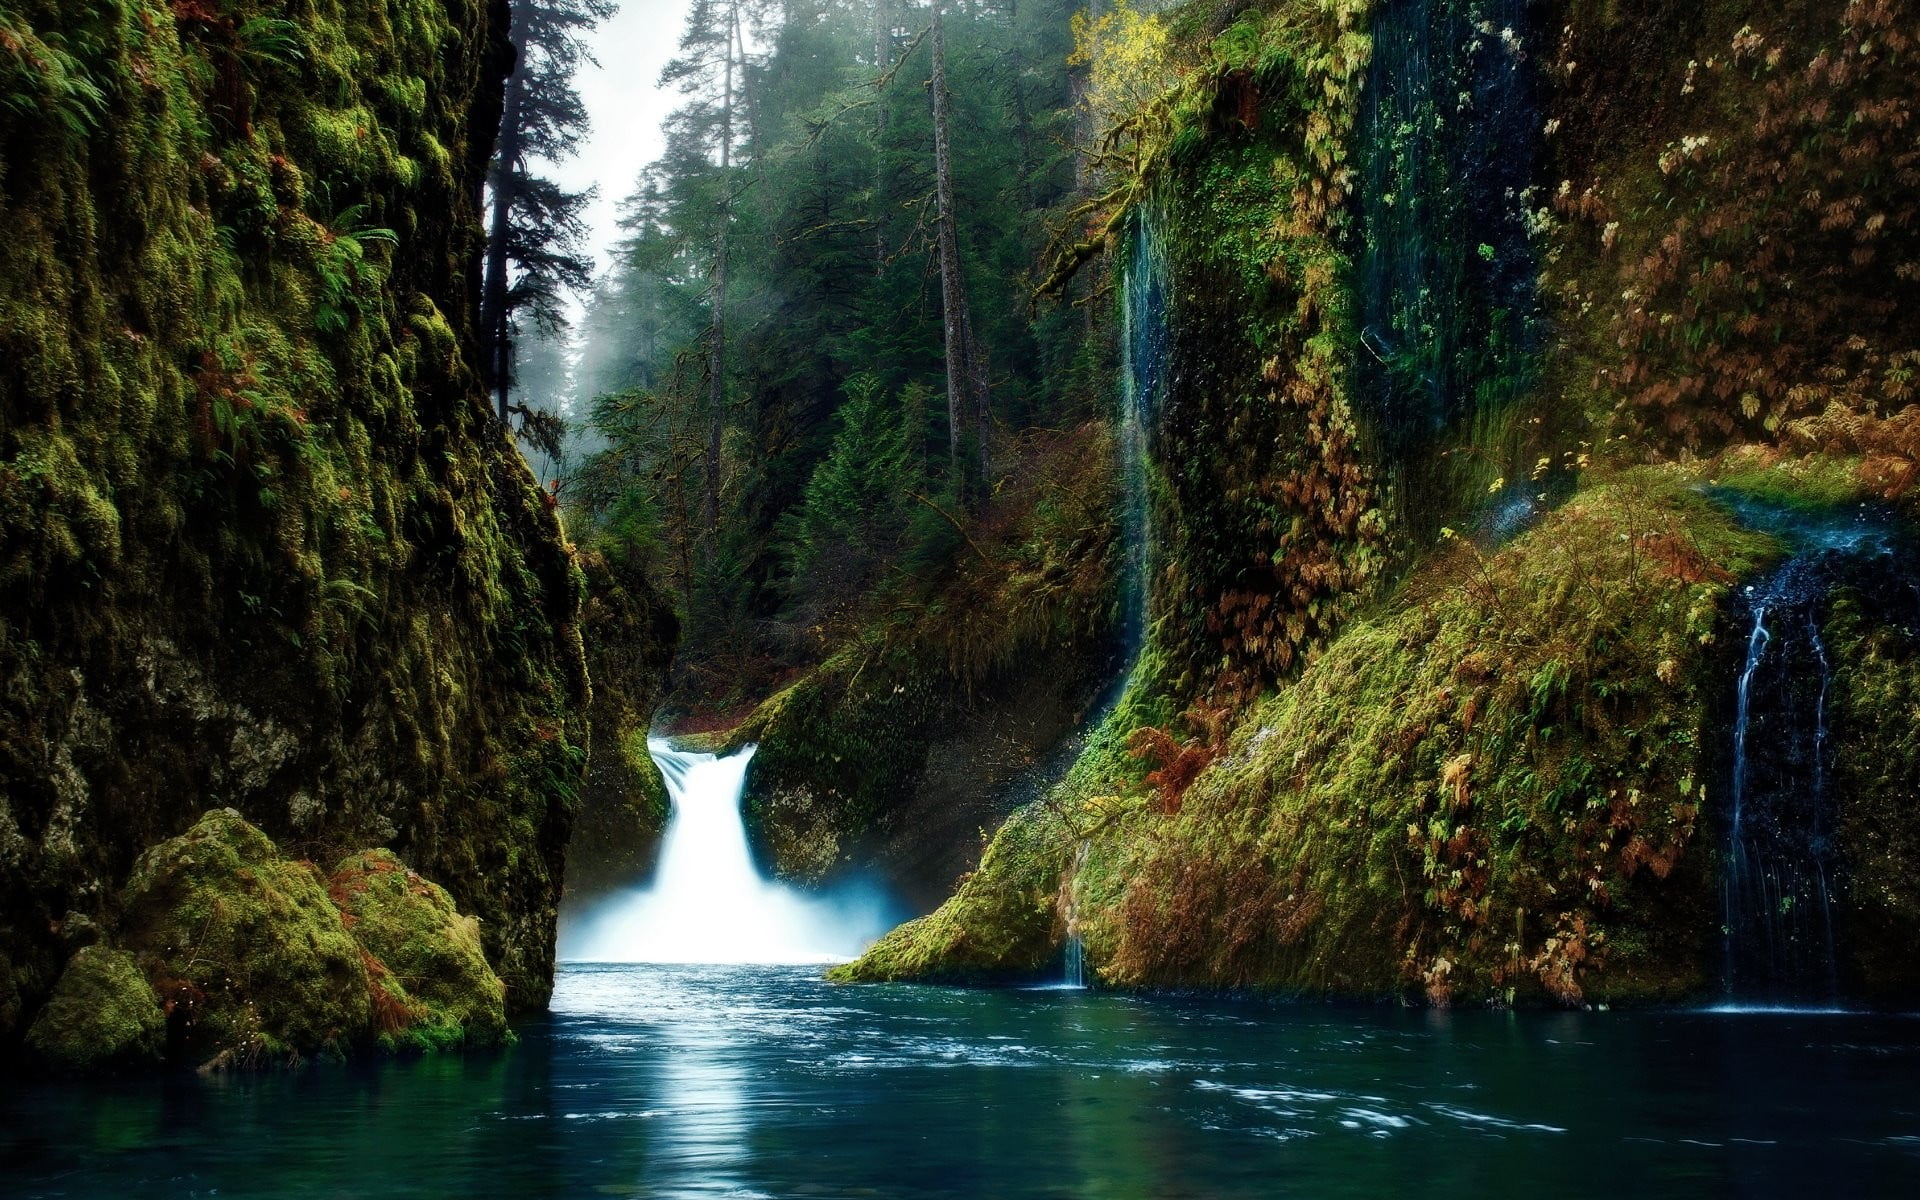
[1143, 384]
[1777, 890]
[1076, 975]
[1781, 867]
[708, 902]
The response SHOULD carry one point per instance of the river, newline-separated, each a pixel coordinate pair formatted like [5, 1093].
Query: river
[659, 1081]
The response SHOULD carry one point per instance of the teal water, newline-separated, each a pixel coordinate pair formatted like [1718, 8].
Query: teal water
[754, 1081]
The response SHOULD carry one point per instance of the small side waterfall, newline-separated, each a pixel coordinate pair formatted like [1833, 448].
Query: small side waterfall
[1143, 384]
[1781, 865]
[708, 903]
[1076, 975]
[1144, 347]
[1782, 870]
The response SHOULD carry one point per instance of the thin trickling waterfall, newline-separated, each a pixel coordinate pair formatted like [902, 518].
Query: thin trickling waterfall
[1781, 868]
[1780, 859]
[1143, 384]
[1076, 974]
[708, 903]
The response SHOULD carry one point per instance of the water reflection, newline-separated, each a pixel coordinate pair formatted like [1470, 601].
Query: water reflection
[706, 1130]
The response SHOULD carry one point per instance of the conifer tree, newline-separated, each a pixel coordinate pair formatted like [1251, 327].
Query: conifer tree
[709, 71]
[966, 358]
[534, 250]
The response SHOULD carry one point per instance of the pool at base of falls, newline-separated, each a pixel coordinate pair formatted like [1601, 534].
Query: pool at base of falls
[758, 1081]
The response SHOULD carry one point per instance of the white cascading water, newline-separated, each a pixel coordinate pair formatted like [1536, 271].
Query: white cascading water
[707, 902]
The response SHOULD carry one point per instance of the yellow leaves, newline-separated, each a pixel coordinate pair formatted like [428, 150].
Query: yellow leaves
[1130, 61]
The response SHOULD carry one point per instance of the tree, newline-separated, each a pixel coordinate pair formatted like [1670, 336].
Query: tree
[534, 251]
[833, 230]
[966, 357]
[708, 60]
[882, 61]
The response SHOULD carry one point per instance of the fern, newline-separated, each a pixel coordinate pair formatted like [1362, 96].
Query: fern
[40, 79]
[270, 39]
[347, 273]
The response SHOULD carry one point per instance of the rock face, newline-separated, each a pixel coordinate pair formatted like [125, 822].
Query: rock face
[262, 546]
[630, 634]
[230, 954]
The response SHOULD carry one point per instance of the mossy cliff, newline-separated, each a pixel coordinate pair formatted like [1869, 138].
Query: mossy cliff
[1436, 699]
[630, 633]
[261, 545]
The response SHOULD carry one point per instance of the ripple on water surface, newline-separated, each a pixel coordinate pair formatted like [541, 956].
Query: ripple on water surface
[650, 1081]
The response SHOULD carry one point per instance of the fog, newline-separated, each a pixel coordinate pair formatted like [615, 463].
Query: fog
[628, 107]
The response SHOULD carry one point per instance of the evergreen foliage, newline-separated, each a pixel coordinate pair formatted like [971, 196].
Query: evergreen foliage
[779, 446]
[534, 253]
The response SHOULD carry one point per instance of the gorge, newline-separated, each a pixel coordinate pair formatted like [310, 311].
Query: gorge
[1127, 599]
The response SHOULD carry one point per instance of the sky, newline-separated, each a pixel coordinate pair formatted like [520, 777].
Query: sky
[627, 106]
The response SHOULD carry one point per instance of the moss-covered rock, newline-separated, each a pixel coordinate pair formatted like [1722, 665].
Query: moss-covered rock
[1007, 919]
[1478, 771]
[433, 985]
[245, 947]
[1001, 923]
[103, 1014]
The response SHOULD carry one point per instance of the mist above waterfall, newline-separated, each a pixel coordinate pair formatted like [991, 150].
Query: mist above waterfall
[708, 902]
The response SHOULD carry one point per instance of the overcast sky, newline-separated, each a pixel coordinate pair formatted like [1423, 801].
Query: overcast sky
[627, 105]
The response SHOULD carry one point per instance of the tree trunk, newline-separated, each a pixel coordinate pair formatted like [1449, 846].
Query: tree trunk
[717, 347]
[882, 59]
[495, 316]
[1022, 116]
[746, 93]
[966, 364]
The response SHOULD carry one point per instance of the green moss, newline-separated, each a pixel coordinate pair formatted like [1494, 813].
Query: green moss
[446, 993]
[1875, 715]
[248, 486]
[1489, 787]
[103, 1014]
[1002, 921]
[1807, 483]
[1006, 919]
[244, 946]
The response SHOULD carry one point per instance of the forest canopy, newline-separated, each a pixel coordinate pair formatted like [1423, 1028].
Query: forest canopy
[758, 396]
